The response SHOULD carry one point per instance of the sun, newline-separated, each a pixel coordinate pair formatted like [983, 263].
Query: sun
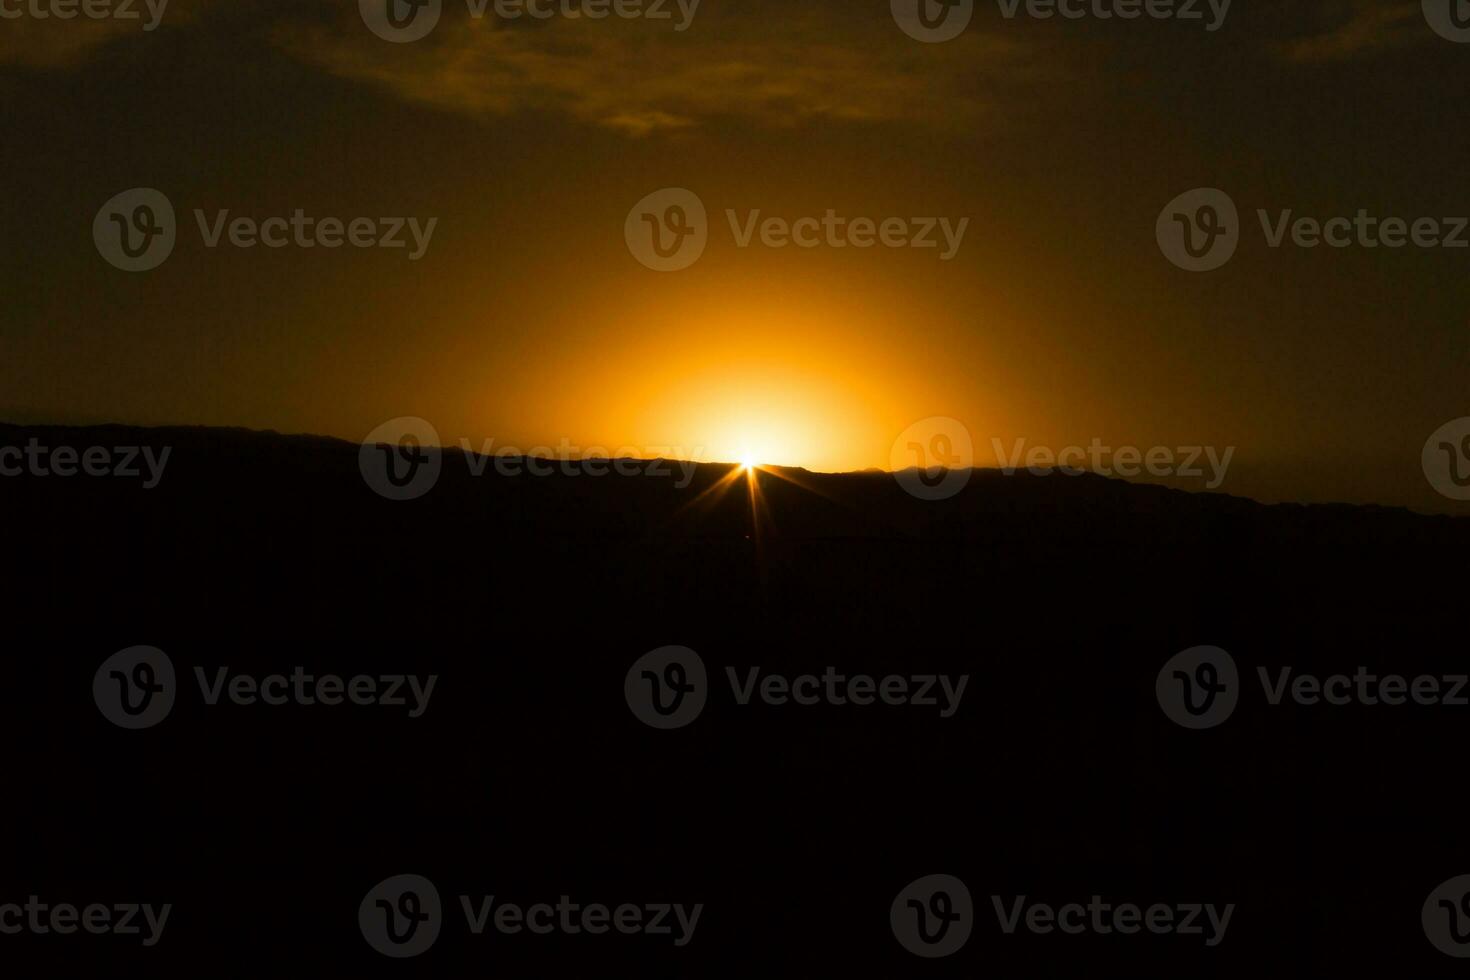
[747, 463]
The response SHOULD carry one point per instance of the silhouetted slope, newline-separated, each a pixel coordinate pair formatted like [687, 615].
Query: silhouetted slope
[1062, 597]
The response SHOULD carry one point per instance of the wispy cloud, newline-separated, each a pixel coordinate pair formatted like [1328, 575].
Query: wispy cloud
[1359, 28]
[51, 42]
[32, 43]
[771, 65]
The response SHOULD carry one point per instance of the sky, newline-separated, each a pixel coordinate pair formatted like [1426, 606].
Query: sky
[529, 316]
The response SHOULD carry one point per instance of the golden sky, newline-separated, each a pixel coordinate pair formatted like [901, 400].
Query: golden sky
[529, 322]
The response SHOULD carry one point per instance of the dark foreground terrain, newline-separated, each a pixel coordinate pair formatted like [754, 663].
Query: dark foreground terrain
[527, 776]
